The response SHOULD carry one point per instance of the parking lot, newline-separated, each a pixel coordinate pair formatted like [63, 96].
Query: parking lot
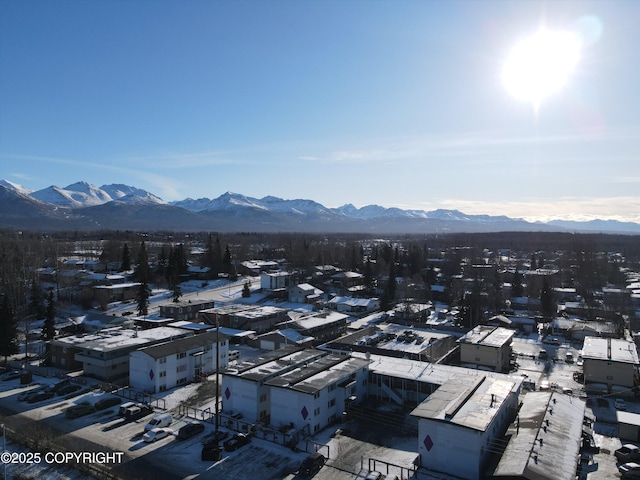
[350, 451]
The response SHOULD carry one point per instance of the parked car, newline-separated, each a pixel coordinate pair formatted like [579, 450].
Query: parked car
[138, 411]
[79, 410]
[124, 406]
[568, 357]
[214, 438]
[312, 464]
[24, 396]
[67, 389]
[190, 430]
[159, 421]
[156, 434]
[10, 375]
[627, 453]
[620, 404]
[39, 396]
[373, 476]
[105, 403]
[237, 441]
[56, 387]
[629, 470]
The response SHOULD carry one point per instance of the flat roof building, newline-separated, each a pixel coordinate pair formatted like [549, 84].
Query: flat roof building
[105, 354]
[488, 347]
[545, 439]
[459, 423]
[610, 361]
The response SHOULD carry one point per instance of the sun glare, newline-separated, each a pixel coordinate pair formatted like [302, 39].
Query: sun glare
[540, 65]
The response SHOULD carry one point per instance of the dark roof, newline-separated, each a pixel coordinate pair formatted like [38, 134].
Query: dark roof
[180, 345]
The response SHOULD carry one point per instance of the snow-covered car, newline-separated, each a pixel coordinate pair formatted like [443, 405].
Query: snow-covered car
[156, 434]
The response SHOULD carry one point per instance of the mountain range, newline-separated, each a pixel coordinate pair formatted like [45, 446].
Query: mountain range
[85, 207]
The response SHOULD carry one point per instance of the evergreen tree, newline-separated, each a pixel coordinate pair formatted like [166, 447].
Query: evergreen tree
[173, 273]
[49, 329]
[246, 291]
[142, 268]
[368, 277]
[8, 329]
[125, 266]
[534, 264]
[391, 283]
[36, 304]
[144, 293]
[227, 266]
[517, 289]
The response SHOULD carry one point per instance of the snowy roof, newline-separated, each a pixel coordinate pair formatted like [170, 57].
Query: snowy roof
[466, 401]
[354, 302]
[110, 339]
[546, 437]
[614, 349]
[190, 325]
[180, 345]
[271, 364]
[318, 374]
[431, 373]
[294, 335]
[317, 320]
[488, 336]
[117, 286]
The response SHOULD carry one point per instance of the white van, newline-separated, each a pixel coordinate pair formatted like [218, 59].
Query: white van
[234, 355]
[158, 421]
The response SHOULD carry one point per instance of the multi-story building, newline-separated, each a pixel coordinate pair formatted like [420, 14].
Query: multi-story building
[245, 317]
[460, 422]
[166, 365]
[610, 361]
[184, 310]
[105, 354]
[487, 347]
[544, 440]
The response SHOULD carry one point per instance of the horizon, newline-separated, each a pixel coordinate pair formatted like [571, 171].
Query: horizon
[398, 104]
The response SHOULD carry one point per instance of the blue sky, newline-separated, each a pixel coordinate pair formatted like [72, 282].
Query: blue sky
[396, 103]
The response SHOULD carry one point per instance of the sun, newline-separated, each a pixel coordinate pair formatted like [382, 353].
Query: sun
[541, 65]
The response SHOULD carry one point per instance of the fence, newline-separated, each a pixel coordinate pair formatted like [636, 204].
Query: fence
[133, 395]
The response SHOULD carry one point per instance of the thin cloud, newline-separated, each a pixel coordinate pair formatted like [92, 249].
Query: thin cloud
[627, 208]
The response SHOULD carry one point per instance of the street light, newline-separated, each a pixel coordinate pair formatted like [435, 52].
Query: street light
[4, 448]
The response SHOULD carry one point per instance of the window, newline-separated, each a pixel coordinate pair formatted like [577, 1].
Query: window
[162, 360]
[263, 397]
[332, 387]
[181, 368]
[163, 373]
[316, 412]
[332, 403]
[180, 381]
[181, 355]
[162, 388]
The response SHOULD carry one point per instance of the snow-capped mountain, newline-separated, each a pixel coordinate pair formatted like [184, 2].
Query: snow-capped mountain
[82, 206]
[118, 191]
[15, 186]
[83, 194]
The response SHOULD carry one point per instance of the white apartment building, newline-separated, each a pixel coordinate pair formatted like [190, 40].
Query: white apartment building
[460, 421]
[167, 365]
